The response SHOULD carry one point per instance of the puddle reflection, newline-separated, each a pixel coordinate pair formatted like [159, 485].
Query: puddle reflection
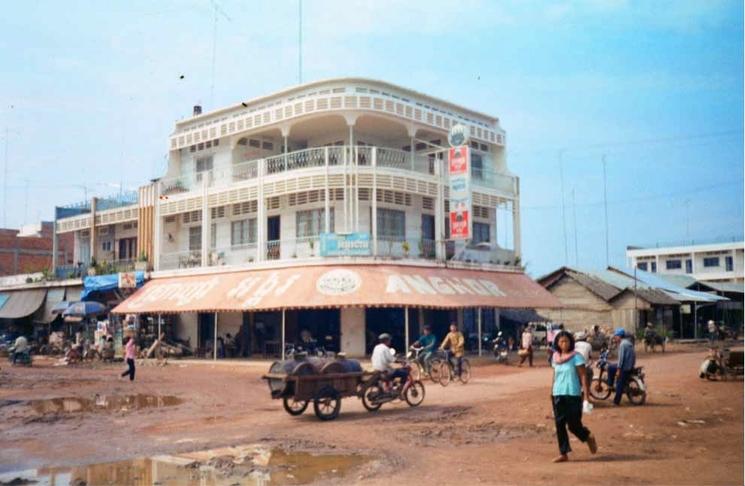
[253, 465]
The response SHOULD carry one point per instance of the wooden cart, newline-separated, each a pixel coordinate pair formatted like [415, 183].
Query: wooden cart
[325, 390]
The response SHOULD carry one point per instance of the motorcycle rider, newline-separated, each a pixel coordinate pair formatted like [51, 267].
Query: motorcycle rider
[526, 346]
[427, 342]
[585, 349]
[382, 360]
[626, 363]
[455, 344]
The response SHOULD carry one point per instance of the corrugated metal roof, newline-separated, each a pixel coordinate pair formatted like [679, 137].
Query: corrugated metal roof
[595, 285]
[682, 294]
[733, 287]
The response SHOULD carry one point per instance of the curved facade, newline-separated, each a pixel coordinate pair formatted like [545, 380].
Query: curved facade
[263, 179]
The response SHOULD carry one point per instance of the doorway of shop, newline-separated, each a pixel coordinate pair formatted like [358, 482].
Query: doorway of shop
[379, 320]
[324, 326]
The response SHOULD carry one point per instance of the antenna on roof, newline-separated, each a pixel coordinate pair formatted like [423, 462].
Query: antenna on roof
[299, 41]
[217, 10]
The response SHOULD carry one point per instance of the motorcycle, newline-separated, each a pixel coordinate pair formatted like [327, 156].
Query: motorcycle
[722, 364]
[312, 349]
[501, 349]
[21, 358]
[635, 389]
[378, 390]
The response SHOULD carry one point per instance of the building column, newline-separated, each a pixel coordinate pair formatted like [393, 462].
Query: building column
[440, 215]
[205, 225]
[261, 221]
[516, 238]
[349, 192]
[374, 203]
[352, 326]
[157, 228]
[327, 195]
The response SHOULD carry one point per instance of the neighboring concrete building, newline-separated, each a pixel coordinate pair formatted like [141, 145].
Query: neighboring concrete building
[333, 173]
[715, 262]
[29, 250]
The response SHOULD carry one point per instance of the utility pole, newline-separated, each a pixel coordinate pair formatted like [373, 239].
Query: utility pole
[576, 244]
[216, 10]
[688, 219]
[300, 41]
[605, 205]
[5, 179]
[563, 208]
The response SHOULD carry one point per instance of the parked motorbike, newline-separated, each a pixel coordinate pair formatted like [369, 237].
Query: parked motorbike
[652, 340]
[722, 364]
[379, 390]
[635, 389]
[20, 358]
[312, 350]
[501, 349]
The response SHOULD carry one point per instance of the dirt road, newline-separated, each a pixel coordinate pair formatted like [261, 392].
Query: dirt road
[497, 429]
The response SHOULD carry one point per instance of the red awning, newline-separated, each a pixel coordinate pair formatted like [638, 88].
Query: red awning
[330, 286]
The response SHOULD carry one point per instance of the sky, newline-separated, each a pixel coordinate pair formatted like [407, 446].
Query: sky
[90, 91]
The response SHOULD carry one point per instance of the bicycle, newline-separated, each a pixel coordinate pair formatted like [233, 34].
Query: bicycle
[447, 370]
[418, 368]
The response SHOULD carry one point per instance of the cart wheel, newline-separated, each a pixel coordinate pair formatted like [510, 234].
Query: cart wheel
[368, 398]
[599, 389]
[327, 403]
[414, 394]
[294, 407]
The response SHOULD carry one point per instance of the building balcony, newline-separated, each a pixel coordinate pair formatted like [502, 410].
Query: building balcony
[335, 159]
[387, 248]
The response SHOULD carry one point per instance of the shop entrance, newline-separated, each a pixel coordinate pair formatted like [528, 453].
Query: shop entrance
[324, 325]
[391, 320]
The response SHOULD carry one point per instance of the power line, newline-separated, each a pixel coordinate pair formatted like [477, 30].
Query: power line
[300, 41]
[563, 208]
[623, 143]
[644, 198]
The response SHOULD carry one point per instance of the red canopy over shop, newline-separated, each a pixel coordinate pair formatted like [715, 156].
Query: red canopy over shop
[330, 286]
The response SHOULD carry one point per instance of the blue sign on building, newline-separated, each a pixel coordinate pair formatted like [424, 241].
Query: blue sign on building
[349, 244]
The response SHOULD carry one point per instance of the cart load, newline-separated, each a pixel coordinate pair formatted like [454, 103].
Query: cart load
[324, 381]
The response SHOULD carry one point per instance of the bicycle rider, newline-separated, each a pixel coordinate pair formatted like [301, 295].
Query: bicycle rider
[454, 343]
[427, 342]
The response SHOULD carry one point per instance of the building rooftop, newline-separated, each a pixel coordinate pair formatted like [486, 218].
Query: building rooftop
[347, 80]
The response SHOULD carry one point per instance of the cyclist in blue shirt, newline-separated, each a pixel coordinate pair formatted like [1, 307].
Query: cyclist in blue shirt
[427, 342]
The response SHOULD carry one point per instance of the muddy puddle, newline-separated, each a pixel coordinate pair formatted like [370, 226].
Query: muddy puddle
[99, 403]
[250, 465]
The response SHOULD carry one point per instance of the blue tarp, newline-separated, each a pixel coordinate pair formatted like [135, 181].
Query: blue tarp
[102, 283]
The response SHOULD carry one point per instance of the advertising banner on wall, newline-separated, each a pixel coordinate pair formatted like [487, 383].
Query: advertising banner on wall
[459, 171]
[349, 244]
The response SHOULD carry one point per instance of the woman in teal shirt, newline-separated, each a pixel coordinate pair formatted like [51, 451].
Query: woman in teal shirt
[570, 381]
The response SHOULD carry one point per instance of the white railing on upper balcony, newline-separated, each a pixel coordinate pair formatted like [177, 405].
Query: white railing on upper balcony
[358, 155]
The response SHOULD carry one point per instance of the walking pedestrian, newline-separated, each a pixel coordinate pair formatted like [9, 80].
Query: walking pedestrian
[130, 352]
[526, 346]
[570, 382]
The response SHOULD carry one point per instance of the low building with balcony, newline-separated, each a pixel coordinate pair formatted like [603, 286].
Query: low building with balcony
[343, 174]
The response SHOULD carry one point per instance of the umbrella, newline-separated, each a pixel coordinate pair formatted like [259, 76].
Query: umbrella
[60, 307]
[85, 309]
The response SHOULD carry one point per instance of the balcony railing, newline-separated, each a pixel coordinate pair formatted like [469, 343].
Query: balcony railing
[289, 249]
[360, 156]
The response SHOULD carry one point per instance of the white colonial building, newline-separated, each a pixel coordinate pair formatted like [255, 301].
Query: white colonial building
[298, 178]
[715, 262]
